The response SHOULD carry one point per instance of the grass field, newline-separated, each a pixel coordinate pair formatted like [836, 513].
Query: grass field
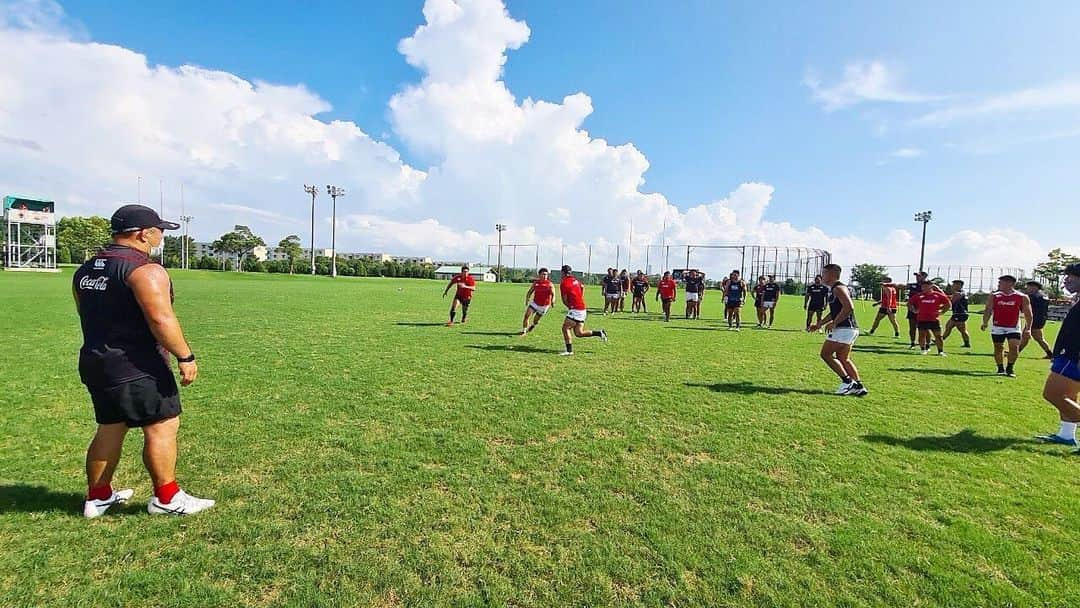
[364, 455]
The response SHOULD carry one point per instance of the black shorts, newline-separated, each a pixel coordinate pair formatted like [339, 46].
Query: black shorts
[137, 403]
[911, 315]
[884, 312]
[1038, 323]
[464, 301]
[815, 308]
[933, 325]
[960, 318]
[667, 300]
[1001, 338]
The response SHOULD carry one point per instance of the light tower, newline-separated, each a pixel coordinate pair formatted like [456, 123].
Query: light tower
[313, 191]
[334, 192]
[500, 228]
[924, 217]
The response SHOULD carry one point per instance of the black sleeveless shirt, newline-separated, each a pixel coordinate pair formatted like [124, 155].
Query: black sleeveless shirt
[118, 346]
[835, 306]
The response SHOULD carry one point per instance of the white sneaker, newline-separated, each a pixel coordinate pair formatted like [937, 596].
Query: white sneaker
[566, 353]
[844, 388]
[926, 352]
[181, 504]
[96, 508]
[942, 354]
[603, 336]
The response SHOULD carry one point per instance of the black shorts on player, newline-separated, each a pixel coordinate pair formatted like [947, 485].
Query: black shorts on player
[137, 403]
[930, 325]
[883, 311]
[1001, 338]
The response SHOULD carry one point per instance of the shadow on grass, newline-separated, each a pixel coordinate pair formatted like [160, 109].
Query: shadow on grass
[940, 371]
[746, 388]
[23, 498]
[883, 350]
[514, 348]
[491, 333]
[408, 324]
[964, 442]
[693, 328]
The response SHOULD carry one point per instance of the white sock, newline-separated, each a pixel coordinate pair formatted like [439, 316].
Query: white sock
[1068, 430]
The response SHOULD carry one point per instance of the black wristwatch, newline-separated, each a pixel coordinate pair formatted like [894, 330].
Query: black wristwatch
[188, 359]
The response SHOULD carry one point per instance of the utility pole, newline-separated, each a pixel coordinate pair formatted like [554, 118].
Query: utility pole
[500, 228]
[334, 192]
[313, 191]
[924, 217]
[184, 257]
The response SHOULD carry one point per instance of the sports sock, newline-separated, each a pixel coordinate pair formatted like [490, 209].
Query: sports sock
[596, 333]
[531, 327]
[453, 313]
[1068, 430]
[166, 492]
[846, 379]
[1009, 369]
[105, 491]
[569, 347]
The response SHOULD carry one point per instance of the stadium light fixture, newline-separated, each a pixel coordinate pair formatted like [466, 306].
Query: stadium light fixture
[334, 192]
[924, 217]
[500, 228]
[313, 191]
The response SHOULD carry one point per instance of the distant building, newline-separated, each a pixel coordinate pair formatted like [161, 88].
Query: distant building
[479, 272]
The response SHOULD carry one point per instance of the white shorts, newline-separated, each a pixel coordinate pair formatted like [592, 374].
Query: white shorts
[538, 309]
[578, 316]
[768, 305]
[613, 296]
[843, 335]
[692, 297]
[997, 330]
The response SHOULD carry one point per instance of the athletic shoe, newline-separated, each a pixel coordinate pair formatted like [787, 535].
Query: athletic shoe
[844, 388]
[566, 353]
[966, 346]
[450, 324]
[603, 335]
[942, 354]
[1058, 439]
[1010, 373]
[857, 390]
[96, 508]
[913, 347]
[1001, 372]
[926, 352]
[523, 333]
[181, 504]
[896, 336]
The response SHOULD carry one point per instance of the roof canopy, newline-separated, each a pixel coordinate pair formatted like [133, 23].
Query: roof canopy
[15, 202]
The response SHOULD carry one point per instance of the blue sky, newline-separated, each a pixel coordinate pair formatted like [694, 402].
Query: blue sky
[715, 94]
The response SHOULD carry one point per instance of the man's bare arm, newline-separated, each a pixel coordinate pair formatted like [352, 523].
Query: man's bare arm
[1029, 317]
[152, 289]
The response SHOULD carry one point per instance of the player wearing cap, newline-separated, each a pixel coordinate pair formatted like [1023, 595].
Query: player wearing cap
[1040, 314]
[770, 299]
[124, 301]
[841, 332]
[466, 285]
[537, 300]
[958, 320]
[929, 304]
[1006, 308]
[573, 297]
[1063, 383]
[734, 298]
[665, 292]
[887, 306]
[815, 300]
[639, 286]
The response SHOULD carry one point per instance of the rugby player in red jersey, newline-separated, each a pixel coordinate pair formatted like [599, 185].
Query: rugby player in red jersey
[573, 297]
[1005, 309]
[890, 300]
[537, 300]
[665, 292]
[465, 287]
[929, 304]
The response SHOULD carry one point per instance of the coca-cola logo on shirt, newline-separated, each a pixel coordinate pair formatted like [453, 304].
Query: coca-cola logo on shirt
[98, 284]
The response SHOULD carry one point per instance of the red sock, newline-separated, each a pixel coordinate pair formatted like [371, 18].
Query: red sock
[166, 492]
[100, 492]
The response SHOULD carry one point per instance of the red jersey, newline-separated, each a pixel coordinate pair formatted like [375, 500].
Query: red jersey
[889, 296]
[543, 292]
[1008, 308]
[572, 292]
[667, 288]
[465, 285]
[928, 305]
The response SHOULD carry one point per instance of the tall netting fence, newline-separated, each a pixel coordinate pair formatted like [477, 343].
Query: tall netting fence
[976, 278]
[793, 266]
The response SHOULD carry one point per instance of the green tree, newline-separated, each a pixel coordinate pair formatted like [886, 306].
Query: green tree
[868, 276]
[239, 242]
[1050, 270]
[82, 237]
[290, 246]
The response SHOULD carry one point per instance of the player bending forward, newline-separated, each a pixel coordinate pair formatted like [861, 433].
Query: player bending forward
[537, 301]
[841, 332]
[573, 297]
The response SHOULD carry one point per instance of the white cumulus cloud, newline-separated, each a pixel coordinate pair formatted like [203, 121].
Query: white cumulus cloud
[863, 81]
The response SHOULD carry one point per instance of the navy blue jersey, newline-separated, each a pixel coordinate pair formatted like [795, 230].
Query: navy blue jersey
[960, 304]
[1068, 340]
[695, 285]
[835, 306]
[771, 292]
[736, 291]
[1040, 307]
[818, 295]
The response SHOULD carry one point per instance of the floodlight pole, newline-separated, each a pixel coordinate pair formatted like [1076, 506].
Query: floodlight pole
[184, 261]
[334, 192]
[924, 217]
[500, 228]
[313, 191]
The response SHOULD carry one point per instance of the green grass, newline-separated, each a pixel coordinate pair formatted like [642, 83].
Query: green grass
[364, 455]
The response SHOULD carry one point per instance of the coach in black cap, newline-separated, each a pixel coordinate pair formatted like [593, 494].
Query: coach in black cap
[124, 300]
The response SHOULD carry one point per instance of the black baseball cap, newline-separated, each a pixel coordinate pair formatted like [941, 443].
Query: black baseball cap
[1073, 269]
[130, 218]
[567, 270]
